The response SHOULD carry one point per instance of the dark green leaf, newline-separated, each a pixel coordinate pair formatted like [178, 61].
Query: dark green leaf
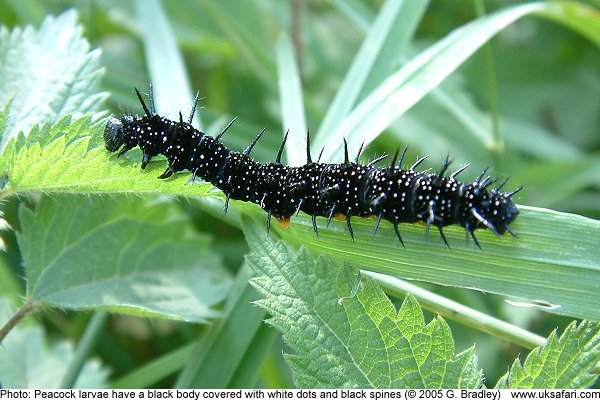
[121, 255]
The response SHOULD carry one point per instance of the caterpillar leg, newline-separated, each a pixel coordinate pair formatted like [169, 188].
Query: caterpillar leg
[471, 232]
[379, 217]
[348, 216]
[124, 150]
[269, 214]
[331, 214]
[193, 177]
[314, 224]
[398, 234]
[443, 236]
[226, 203]
[512, 233]
[145, 160]
[168, 172]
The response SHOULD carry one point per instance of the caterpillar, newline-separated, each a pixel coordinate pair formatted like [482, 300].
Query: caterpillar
[344, 190]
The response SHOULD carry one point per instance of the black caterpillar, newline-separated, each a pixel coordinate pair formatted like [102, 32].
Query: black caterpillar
[327, 190]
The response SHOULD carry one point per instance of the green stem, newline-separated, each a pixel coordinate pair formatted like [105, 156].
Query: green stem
[92, 331]
[25, 309]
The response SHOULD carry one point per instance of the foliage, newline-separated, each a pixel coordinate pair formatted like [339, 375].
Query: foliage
[362, 342]
[65, 82]
[144, 256]
[121, 256]
[561, 363]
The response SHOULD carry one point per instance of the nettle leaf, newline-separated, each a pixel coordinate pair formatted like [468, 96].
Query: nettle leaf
[564, 362]
[67, 156]
[122, 255]
[363, 342]
[27, 361]
[47, 73]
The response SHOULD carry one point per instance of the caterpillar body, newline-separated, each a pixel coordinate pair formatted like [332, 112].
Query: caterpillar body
[344, 190]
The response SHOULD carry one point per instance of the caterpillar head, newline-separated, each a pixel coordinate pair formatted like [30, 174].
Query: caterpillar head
[494, 210]
[114, 136]
[503, 211]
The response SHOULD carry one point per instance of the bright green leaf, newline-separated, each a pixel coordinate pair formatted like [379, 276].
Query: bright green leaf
[50, 161]
[363, 342]
[382, 47]
[122, 255]
[565, 362]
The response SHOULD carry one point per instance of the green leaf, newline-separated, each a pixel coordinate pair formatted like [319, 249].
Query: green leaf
[246, 35]
[120, 255]
[49, 160]
[553, 264]
[463, 129]
[26, 361]
[362, 342]
[47, 73]
[556, 181]
[565, 362]
[10, 286]
[355, 11]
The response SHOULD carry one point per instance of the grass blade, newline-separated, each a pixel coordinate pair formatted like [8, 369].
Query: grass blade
[290, 93]
[427, 70]
[553, 265]
[165, 61]
[219, 353]
[373, 55]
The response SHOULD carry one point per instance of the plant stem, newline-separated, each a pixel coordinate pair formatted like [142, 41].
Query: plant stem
[91, 333]
[27, 307]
